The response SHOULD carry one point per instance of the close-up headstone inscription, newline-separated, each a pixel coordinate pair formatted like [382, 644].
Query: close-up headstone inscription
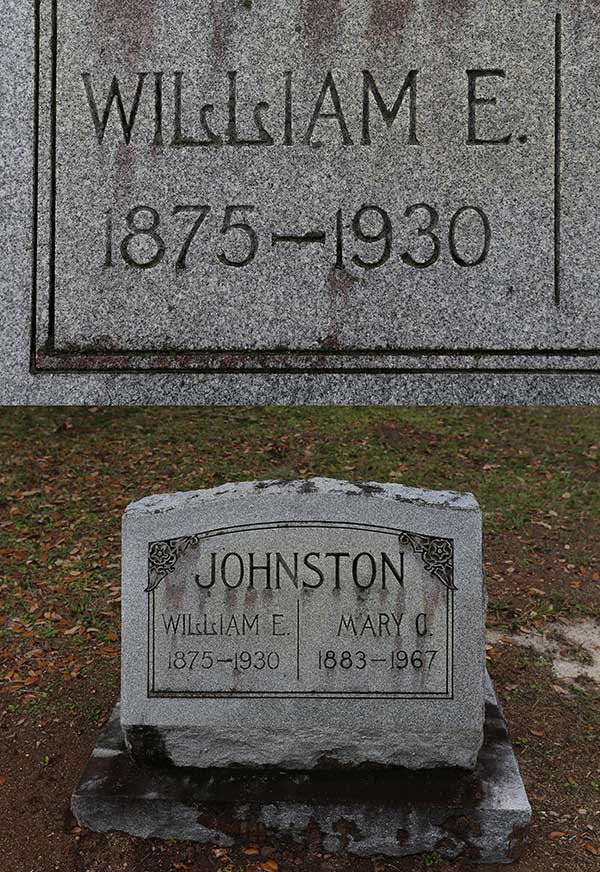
[295, 643]
[361, 188]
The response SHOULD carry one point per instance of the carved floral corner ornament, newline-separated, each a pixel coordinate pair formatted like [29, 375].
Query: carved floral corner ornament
[163, 557]
[436, 553]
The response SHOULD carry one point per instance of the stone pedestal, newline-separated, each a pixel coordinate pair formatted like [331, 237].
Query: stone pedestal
[482, 814]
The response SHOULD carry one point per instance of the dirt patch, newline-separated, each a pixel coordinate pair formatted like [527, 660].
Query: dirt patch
[574, 649]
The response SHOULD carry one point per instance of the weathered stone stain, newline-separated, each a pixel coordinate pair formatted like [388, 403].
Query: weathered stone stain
[348, 832]
[129, 22]
[340, 280]
[147, 746]
[223, 22]
[321, 20]
[387, 19]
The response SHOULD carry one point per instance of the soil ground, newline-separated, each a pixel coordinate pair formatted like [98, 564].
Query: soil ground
[65, 477]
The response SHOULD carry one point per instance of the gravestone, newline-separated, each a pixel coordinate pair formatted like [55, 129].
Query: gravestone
[307, 651]
[370, 200]
[295, 623]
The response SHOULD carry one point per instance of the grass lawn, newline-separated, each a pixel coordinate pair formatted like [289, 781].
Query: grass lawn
[65, 478]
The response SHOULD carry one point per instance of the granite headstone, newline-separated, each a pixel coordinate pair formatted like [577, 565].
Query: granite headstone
[302, 624]
[304, 661]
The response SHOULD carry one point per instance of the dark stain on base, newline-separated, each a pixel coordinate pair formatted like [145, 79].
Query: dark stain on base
[462, 826]
[347, 828]
[146, 744]
[247, 828]
[348, 806]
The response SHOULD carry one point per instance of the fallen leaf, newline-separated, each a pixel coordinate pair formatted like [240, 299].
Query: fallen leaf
[3, 779]
[590, 848]
[219, 852]
[250, 851]
[270, 865]
[539, 733]
[557, 834]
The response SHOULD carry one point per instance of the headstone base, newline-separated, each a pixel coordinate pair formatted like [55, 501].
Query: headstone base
[483, 814]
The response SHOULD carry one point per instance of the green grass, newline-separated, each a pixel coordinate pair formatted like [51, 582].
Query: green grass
[67, 474]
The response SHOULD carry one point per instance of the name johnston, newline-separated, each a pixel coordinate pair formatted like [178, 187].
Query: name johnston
[270, 570]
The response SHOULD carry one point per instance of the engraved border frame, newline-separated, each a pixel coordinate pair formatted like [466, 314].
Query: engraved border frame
[448, 693]
[45, 357]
